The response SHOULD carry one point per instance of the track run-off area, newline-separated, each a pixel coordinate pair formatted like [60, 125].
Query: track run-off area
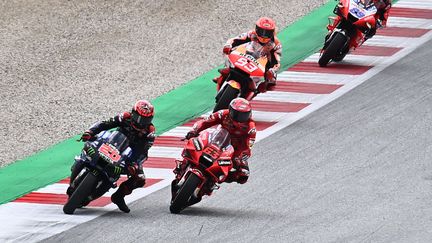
[301, 89]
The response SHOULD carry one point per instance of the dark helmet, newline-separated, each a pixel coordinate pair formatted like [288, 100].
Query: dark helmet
[240, 110]
[265, 29]
[142, 114]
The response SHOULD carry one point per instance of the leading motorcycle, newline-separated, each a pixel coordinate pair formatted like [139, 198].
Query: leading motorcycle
[207, 160]
[103, 161]
[354, 19]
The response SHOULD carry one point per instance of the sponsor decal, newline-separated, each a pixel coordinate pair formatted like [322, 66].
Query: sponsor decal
[252, 131]
[109, 153]
[224, 162]
[197, 144]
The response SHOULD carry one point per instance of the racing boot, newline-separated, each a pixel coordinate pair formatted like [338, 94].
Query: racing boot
[223, 75]
[118, 199]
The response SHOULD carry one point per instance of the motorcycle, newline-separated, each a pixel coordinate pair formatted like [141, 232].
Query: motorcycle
[207, 160]
[102, 162]
[355, 18]
[247, 72]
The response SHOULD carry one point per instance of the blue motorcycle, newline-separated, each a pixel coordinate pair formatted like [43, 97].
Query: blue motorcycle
[97, 169]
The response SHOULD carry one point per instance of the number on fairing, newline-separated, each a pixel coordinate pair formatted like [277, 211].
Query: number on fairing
[243, 62]
[109, 152]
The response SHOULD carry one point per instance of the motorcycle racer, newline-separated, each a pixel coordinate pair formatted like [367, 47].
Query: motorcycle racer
[137, 126]
[238, 122]
[383, 9]
[264, 35]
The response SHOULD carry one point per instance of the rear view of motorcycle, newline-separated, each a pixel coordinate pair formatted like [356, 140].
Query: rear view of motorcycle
[207, 160]
[99, 167]
[347, 31]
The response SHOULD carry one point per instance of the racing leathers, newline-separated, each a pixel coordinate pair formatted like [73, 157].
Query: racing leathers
[242, 139]
[272, 50]
[382, 14]
[140, 141]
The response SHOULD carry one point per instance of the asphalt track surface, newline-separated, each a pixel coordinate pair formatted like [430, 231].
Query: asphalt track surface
[67, 64]
[357, 170]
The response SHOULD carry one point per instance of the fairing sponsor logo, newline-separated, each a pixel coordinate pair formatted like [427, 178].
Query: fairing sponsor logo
[197, 144]
[224, 162]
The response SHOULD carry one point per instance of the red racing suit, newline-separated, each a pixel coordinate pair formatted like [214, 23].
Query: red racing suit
[272, 50]
[383, 9]
[242, 139]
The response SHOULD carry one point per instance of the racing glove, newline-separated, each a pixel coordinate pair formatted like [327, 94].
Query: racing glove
[227, 49]
[87, 135]
[270, 76]
[191, 134]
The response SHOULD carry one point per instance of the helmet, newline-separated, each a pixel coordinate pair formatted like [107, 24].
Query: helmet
[142, 114]
[240, 110]
[265, 29]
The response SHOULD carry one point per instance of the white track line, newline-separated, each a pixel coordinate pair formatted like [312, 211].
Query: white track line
[318, 78]
[389, 41]
[165, 152]
[409, 23]
[351, 59]
[423, 4]
[288, 97]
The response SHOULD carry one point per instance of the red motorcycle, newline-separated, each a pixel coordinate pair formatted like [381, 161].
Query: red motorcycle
[247, 72]
[354, 19]
[207, 160]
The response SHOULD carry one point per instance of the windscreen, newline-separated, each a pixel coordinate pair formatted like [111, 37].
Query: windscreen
[119, 140]
[366, 3]
[220, 137]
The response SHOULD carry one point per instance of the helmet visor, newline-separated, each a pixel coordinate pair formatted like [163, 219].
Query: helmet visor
[239, 116]
[140, 121]
[264, 33]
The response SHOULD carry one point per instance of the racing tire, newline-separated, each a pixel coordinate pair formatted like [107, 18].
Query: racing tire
[333, 49]
[227, 96]
[81, 193]
[184, 193]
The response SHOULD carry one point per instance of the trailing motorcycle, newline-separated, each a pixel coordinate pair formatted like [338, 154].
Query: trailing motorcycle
[207, 160]
[355, 18]
[103, 161]
[247, 72]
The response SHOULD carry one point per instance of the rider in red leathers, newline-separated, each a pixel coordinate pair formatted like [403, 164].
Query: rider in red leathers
[383, 9]
[264, 35]
[238, 122]
[137, 126]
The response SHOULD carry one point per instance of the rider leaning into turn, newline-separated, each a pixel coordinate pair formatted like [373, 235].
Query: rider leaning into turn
[383, 9]
[137, 126]
[264, 35]
[237, 120]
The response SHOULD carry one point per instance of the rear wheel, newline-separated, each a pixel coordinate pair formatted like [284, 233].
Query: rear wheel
[81, 193]
[333, 49]
[229, 93]
[184, 193]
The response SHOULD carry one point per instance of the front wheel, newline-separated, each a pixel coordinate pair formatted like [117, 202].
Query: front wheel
[229, 93]
[81, 193]
[181, 198]
[333, 49]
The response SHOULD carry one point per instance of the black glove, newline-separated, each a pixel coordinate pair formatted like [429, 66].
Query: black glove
[191, 134]
[87, 135]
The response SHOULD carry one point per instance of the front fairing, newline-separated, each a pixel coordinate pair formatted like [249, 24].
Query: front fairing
[362, 13]
[249, 59]
[103, 156]
[208, 149]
